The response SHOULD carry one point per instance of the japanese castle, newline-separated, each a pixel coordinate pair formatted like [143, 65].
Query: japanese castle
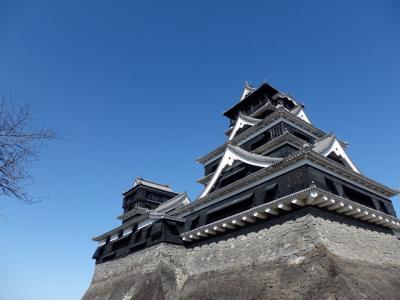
[273, 162]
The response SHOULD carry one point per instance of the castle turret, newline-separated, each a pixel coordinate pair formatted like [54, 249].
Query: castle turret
[146, 220]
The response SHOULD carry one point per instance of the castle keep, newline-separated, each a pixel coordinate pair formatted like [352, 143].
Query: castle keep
[285, 213]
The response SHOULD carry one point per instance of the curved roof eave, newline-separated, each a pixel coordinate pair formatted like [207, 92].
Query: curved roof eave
[233, 153]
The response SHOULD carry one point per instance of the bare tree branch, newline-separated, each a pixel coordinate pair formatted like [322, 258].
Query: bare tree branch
[20, 143]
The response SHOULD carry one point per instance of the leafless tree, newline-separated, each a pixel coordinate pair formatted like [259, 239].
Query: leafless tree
[20, 145]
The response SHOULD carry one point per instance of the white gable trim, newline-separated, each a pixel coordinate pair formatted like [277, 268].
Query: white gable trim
[233, 153]
[337, 148]
[240, 122]
[248, 89]
[279, 173]
[261, 130]
[302, 115]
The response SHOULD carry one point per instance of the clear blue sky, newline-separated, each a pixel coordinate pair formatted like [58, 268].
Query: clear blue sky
[137, 88]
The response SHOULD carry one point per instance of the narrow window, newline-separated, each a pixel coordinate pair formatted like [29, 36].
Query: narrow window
[138, 235]
[331, 186]
[234, 176]
[265, 138]
[195, 222]
[230, 210]
[265, 114]
[358, 197]
[301, 136]
[270, 193]
[337, 159]
[173, 229]
[120, 244]
[383, 207]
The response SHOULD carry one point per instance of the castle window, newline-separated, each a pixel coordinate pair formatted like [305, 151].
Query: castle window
[213, 168]
[301, 136]
[265, 114]
[244, 128]
[232, 177]
[382, 207]
[173, 228]
[120, 244]
[331, 186]
[230, 209]
[270, 192]
[337, 158]
[264, 138]
[155, 231]
[358, 197]
[195, 222]
[138, 235]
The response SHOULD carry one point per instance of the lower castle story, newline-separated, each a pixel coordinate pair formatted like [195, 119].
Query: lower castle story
[193, 224]
[307, 254]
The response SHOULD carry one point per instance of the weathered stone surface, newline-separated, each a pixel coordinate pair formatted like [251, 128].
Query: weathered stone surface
[312, 256]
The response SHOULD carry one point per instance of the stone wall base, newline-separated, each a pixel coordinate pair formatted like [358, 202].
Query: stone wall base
[309, 255]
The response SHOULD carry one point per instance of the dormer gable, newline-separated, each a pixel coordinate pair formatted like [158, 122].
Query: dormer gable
[330, 147]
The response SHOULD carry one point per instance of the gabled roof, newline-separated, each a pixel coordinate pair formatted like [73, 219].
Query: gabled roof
[298, 111]
[174, 203]
[233, 153]
[304, 156]
[150, 184]
[261, 127]
[248, 89]
[330, 144]
[242, 121]
[250, 93]
[265, 87]
[141, 181]
[285, 139]
[254, 115]
[146, 217]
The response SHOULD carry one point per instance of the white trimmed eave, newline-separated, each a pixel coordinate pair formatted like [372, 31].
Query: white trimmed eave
[311, 196]
[127, 228]
[267, 106]
[147, 217]
[265, 124]
[336, 147]
[285, 139]
[283, 114]
[303, 157]
[173, 203]
[233, 153]
[241, 121]
[116, 230]
[134, 211]
[300, 113]
[179, 200]
[248, 89]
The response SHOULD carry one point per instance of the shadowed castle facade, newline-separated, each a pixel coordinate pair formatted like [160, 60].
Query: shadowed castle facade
[274, 167]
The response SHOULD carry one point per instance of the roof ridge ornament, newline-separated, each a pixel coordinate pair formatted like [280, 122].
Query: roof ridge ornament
[248, 89]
